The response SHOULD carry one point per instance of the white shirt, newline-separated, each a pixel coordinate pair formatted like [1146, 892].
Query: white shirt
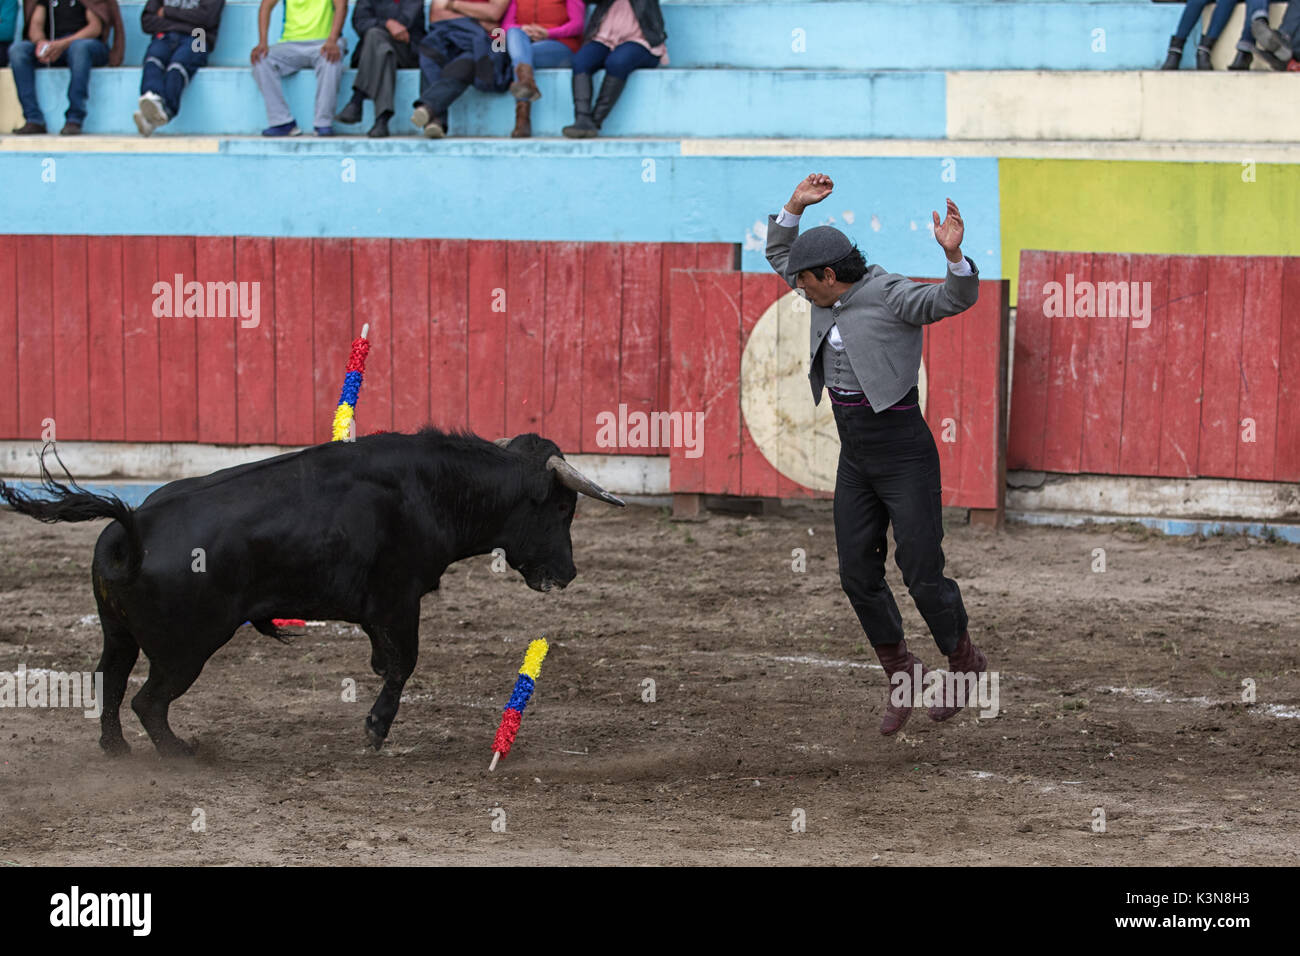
[786, 218]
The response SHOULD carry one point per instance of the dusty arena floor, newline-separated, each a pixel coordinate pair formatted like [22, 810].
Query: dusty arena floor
[1118, 690]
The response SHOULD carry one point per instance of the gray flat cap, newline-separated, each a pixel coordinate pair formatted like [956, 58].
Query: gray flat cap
[819, 246]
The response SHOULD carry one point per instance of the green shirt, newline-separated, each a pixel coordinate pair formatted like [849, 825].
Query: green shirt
[307, 20]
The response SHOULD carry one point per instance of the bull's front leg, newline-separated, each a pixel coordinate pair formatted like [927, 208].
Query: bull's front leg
[395, 646]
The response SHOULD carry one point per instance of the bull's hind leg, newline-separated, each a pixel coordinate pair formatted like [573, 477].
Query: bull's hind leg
[395, 647]
[120, 654]
[167, 681]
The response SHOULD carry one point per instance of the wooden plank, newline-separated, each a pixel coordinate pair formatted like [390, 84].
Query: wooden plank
[35, 366]
[1104, 364]
[332, 331]
[215, 378]
[601, 320]
[676, 255]
[177, 338]
[104, 335]
[795, 317]
[448, 333]
[945, 410]
[255, 365]
[1067, 368]
[1033, 349]
[1286, 460]
[142, 390]
[409, 321]
[757, 294]
[719, 343]
[1184, 357]
[488, 304]
[294, 397]
[71, 328]
[523, 348]
[639, 336]
[690, 374]
[9, 251]
[562, 356]
[722, 256]
[1261, 344]
[980, 480]
[1220, 436]
[370, 302]
[1144, 369]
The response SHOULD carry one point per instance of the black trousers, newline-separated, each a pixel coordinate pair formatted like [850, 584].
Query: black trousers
[380, 57]
[889, 473]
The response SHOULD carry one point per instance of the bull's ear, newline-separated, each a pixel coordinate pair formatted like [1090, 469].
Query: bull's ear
[538, 484]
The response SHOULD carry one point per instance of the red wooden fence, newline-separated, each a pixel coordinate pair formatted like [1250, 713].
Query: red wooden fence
[1217, 365]
[965, 358]
[499, 337]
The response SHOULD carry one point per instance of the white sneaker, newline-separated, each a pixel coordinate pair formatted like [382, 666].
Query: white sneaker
[151, 105]
[143, 125]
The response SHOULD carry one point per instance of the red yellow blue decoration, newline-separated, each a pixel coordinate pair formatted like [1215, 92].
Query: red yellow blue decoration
[528, 675]
[345, 414]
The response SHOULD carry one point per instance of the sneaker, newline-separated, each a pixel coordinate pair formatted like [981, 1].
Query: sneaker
[1269, 41]
[154, 110]
[434, 130]
[421, 117]
[143, 125]
[324, 130]
[284, 129]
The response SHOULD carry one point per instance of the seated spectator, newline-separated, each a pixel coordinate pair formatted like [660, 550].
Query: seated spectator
[390, 32]
[1191, 16]
[184, 31]
[8, 28]
[458, 52]
[1290, 30]
[621, 36]
[539, 34]
[71, 33]
[1257, 37]
[312, 37]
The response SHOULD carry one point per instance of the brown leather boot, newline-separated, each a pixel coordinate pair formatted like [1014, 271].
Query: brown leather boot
[525, 87]
[895, 658]
[966, 658]
[523, 120]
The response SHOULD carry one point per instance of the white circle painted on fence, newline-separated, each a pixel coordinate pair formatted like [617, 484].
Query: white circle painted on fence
[798, 438]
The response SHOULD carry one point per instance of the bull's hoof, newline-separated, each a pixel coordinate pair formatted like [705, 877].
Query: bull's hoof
[373, 736]
[177, 749]
[114, 746]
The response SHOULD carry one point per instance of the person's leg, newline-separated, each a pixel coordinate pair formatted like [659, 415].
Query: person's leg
[81, 56]
[589, 58]
[329, 74]
[625, 58]
[1191, 16]
[1257, 36]
[4, 53]
[281, 60]
[520, 49]
[156, 57]
[551, 55]
[181, 70]
[1219, 20]
[23, 63]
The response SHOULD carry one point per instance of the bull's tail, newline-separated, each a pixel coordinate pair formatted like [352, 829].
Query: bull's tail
[71, 502]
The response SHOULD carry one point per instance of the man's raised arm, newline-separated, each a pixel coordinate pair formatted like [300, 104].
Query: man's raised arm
[784, 227]
[920, 303]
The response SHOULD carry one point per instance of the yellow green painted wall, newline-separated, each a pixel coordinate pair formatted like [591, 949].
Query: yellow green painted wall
[1147, 207]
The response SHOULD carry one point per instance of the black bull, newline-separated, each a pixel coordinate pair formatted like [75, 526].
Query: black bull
[347, 531]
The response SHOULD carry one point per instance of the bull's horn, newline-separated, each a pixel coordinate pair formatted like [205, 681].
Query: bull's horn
[570, 477]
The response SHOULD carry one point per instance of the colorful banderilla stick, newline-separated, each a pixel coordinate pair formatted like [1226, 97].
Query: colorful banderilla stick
[514, 711]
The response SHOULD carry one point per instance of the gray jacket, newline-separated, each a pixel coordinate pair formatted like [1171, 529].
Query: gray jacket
[880, 320]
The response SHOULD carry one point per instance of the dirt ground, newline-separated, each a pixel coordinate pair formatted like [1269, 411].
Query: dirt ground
[1119, 690]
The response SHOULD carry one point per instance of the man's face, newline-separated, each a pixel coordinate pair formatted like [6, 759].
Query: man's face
[819, 286]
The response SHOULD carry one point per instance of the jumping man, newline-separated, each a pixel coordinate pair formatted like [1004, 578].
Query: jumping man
[866, 352]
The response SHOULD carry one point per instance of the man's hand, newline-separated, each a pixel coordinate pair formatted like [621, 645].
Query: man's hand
[809, 192]
[397, 31]
[53, 50]
[330, 50]
[535, 32]
[949, 233]
[259, 52]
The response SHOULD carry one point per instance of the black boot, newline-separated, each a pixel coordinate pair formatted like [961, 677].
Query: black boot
[351, 114]
[584, 127]
[1203, 57]
[380, 129]
[1242, 61]
[610, 90]
[1175, 54]
[1274, 48]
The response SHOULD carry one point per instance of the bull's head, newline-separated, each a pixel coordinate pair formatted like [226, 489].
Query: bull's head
[537, 542]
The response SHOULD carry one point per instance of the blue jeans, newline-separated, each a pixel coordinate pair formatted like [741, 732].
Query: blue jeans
[169, 65]
[618, 62]
[79, 57]
[1192, 15]
[1254, 8]
[1290, 27]
[540, 54]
